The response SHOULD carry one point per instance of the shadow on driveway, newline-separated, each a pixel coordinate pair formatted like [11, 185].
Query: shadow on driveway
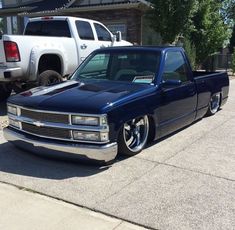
[19, 162]
[15, 161]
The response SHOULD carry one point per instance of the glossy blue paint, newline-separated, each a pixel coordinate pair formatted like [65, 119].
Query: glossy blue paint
[171, 107]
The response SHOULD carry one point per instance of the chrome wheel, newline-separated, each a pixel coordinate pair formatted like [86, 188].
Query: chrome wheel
[215, 103]
[135, 134]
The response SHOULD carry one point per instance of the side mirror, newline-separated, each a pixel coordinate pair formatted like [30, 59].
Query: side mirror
[171, 83]
[119, 36]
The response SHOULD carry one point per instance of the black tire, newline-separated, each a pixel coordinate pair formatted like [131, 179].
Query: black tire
[133, 141]
[214, 104]
[49, 77]
[5, 92]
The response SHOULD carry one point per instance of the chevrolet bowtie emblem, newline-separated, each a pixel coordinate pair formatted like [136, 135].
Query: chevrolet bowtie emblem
[38, 123]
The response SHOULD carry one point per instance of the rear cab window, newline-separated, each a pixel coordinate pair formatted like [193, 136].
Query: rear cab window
[50, 28]
[84, 30]
[175, 67]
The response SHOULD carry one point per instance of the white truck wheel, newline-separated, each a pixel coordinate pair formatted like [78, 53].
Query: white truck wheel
[49, 77]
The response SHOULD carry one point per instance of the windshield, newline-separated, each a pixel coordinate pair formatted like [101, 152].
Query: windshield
[130, 66]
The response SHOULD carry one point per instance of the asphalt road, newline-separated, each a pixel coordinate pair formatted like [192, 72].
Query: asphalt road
[186, 181]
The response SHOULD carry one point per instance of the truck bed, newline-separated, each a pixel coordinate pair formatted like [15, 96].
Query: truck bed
[209, 83]
[198, 74]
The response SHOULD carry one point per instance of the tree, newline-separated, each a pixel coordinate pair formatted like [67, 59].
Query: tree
[232, 41]
[230, 8]
[209, 29]
[205, 23]
[171, 17]
[190, 50]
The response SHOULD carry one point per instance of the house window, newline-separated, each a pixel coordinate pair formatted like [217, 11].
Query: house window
[9, 25]
[26, 20]
[118, 27]
[12, 25]
[26, 1]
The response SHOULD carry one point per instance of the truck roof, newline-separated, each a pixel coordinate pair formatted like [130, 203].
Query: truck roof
[62, 18]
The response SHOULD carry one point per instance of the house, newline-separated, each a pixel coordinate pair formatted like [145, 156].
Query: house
[127, 16]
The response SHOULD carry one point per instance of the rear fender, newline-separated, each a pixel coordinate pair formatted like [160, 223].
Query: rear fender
[36, 54]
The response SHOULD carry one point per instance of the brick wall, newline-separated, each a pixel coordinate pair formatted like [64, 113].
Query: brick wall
[131, 17]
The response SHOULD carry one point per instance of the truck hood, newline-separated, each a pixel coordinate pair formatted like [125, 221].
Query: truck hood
[81, 97]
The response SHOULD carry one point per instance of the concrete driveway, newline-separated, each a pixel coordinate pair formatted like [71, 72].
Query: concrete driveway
[186, 181]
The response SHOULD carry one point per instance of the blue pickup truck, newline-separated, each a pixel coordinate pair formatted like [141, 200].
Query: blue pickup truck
[116, 101]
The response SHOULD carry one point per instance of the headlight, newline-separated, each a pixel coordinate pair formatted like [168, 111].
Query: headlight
[12, 110]
[91, 136]
[14, 123]
[89, 120]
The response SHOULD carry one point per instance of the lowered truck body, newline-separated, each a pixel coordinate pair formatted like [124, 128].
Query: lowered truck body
[51, 47]
[116, 101]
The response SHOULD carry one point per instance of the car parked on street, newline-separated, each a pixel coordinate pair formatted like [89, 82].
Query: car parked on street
[115, 102]
[51, 48]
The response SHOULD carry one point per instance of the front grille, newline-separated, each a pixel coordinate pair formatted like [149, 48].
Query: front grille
[53, 125]
[45, 117]
[47, 131]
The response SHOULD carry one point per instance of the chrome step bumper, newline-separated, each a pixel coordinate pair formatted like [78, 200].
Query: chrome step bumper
[61, 149]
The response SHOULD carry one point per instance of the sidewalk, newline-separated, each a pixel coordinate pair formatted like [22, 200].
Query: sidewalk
[23, 210]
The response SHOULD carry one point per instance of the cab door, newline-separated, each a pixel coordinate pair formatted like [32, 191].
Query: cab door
[86, 42]
[178, 94]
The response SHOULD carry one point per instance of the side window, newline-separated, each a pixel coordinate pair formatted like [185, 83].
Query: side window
[175, 67]
[102, 33]
[98, 64]
[84, 30]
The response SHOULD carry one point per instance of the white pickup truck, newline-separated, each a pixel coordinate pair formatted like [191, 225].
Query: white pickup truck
[51, 48]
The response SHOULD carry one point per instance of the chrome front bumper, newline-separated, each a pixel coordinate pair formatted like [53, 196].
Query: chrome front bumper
[61, 149]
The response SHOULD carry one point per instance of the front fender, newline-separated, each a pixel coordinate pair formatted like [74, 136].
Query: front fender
[120, 116]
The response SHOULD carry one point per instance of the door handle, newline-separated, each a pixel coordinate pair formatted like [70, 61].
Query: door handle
[83, 47]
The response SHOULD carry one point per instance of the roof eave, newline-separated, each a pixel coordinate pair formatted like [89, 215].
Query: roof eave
[138, 5]
[14, 11]
[141, 6]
